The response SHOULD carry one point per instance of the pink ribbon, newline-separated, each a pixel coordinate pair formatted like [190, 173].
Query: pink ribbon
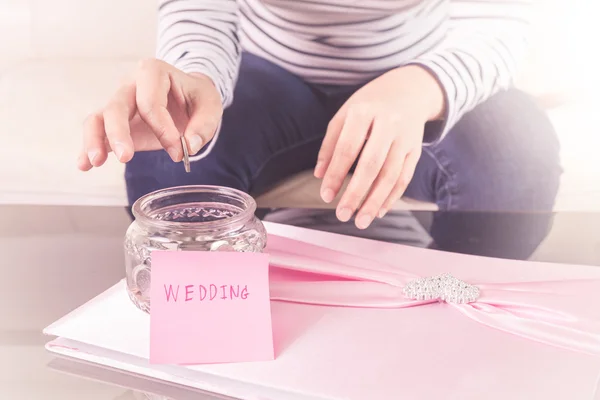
[564, 314]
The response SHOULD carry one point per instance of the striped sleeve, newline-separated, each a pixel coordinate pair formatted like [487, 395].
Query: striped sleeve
[486, 40]
[201, 36]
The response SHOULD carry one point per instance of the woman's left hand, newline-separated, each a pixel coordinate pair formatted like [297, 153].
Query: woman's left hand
[384, 123]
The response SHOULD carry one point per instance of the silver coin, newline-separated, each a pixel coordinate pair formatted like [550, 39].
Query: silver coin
[186, 155]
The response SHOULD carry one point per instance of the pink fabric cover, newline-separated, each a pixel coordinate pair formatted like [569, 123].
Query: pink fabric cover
[558, 312]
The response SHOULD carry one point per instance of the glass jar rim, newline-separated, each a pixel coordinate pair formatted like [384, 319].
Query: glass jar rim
[240, 218]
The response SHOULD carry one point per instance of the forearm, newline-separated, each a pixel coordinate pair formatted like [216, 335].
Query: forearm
[201, 36]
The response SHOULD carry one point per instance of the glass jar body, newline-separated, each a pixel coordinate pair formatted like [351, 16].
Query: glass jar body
[192, 218]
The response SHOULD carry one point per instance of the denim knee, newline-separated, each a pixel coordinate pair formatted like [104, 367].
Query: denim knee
[503, 156]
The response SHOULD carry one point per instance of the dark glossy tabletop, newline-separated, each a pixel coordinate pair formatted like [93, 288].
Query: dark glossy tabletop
[55, 258]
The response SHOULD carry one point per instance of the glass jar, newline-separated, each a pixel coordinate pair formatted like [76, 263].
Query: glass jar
[189, 218]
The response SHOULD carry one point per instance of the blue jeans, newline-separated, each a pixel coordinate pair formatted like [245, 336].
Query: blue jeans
[501, 157]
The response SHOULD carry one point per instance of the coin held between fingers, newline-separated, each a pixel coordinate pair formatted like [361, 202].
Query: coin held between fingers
[186, 155]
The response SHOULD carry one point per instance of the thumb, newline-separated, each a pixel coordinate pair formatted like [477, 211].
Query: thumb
[202, 125]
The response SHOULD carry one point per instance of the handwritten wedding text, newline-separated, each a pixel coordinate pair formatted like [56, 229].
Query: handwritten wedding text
[211, 292]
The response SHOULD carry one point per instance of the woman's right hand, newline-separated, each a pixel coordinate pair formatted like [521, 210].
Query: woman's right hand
[150, 112]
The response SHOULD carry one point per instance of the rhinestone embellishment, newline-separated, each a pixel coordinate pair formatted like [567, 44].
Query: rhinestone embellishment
[443, 287]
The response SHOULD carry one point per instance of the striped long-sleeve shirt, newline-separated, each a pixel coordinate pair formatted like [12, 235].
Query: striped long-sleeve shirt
[471, 46]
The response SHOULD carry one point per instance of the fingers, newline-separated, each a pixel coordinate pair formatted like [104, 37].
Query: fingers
[371, 161]
[112, 126]
[387, 179]
[348, 146]
[329, 141]
[83, 162]
[137, 117]
[152, 88]
[94, 151]
[408, 170]
[117, 115]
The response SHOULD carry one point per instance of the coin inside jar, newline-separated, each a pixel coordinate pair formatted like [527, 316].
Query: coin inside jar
[186, 155]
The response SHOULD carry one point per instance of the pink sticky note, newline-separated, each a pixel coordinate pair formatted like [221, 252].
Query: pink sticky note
[210, 307]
